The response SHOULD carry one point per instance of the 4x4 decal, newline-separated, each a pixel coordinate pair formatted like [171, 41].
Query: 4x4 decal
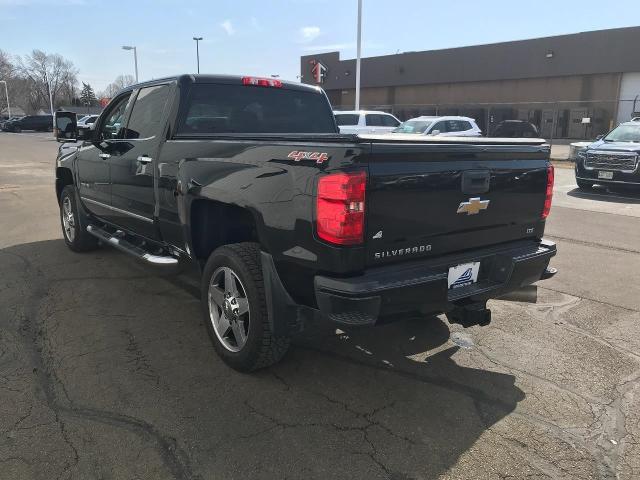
[318, 157]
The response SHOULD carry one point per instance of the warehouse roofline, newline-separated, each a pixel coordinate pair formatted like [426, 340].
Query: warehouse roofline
[584, 53]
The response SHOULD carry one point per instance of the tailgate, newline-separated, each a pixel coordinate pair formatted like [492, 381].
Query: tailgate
[430, 199]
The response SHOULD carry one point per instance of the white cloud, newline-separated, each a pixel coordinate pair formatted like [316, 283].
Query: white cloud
[309, 34]
[228, 27]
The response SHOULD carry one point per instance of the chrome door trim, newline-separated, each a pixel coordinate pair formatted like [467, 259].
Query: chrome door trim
[109, 207]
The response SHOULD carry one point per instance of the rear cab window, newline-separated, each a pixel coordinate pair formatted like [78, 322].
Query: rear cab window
[220, 108]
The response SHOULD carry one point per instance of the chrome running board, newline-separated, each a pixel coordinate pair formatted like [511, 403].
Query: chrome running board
[131, 249]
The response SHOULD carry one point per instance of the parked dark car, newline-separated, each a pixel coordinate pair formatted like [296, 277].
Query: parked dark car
[613, 159]
[41, 123]
[289, 222]
[515, 129]
[6, 120]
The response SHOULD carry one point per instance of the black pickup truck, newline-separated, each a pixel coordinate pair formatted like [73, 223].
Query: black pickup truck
[290, 222]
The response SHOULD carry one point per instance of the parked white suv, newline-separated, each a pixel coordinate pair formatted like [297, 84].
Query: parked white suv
[365, 121]
[445, 126]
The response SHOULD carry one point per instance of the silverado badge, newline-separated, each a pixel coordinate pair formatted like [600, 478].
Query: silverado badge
[473, 206]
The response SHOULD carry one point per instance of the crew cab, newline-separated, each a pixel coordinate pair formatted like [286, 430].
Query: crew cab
[612, 159]
[289, 222]
[365, 121]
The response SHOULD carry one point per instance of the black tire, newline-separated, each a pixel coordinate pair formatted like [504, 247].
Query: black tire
[81, 240]
[582, 185]
[17, 130]
[262, 348]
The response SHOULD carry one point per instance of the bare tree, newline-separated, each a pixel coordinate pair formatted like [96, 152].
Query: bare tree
[7, 73]
[118, 84]
[41, 73]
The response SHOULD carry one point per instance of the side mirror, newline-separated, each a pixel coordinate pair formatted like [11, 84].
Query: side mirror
[599, 137]
[87, 134]
[66, 126]
[434, 132]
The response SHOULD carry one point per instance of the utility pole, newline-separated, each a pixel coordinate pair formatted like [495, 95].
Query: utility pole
[359, 51]
[197, 39]
[46, 79]
[6, 91]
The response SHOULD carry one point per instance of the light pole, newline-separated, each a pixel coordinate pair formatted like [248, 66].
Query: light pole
[358, 54]
[197, 39]
[6, 91]
[135, 57]
[53, 120]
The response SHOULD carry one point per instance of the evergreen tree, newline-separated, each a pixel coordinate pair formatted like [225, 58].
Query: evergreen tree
[87, 96]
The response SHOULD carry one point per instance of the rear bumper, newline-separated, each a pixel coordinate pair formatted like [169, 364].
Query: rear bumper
[422, 286]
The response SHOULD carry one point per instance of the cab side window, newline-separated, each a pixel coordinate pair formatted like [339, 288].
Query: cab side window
[389, 121]
[114, 123]
[374, 120]
[344, 119]
[146, 116]
[440, 126]
[463, 126]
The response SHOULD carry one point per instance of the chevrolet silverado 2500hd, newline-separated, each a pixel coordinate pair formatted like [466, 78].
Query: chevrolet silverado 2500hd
[289, 221]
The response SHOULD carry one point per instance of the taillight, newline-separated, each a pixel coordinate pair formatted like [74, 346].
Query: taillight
[340, 208]
[262, 82]
[549, 195]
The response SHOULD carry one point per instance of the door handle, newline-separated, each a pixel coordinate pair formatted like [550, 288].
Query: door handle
[144, 159]
[104, 155]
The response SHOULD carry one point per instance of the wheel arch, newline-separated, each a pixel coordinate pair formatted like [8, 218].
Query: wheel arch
[205, 221]
[64, 177]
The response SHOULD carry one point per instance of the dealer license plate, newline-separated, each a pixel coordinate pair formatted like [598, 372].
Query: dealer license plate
[605, 175]
[463, 275]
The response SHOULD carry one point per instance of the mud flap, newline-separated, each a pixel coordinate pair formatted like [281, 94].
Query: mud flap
[285, 316]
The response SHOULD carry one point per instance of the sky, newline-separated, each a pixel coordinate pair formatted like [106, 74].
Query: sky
[267, 37]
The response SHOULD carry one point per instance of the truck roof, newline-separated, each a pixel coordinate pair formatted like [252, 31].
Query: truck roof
[215, 78]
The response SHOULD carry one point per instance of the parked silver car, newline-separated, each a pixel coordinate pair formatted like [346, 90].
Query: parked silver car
[445, 126]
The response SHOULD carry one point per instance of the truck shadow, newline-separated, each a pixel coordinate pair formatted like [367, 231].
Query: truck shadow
[395, 401]
[604, 194]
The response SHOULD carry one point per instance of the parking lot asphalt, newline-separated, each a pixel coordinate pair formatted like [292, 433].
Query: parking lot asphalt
[106, 370]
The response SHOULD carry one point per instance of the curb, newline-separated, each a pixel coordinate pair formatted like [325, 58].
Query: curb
[562, 163]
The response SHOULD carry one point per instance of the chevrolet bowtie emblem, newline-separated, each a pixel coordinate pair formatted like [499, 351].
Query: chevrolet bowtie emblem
[473, 206]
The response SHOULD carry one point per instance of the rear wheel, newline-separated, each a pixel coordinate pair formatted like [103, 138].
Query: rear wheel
[235, 309]
[582, 185]
[74, 224]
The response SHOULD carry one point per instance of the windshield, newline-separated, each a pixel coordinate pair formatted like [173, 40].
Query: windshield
[413, 126]
[624, 133]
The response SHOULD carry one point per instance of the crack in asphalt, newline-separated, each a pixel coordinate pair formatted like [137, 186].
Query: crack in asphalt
[611, 415]
[34, 330]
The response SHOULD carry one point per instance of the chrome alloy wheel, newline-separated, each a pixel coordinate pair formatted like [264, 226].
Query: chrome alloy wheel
[68, 221]
[229, 309]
